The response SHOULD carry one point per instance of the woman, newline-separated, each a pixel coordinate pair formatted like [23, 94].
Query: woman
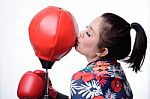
[104, 41]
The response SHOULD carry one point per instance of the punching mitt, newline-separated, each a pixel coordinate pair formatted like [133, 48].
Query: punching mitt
[52, 33]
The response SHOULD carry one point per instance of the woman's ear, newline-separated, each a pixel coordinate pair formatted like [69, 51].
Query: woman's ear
[102, 52]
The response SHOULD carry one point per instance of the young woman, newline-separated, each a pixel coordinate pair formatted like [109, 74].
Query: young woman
[104, 41]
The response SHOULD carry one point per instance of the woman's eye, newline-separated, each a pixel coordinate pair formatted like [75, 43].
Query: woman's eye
[88, 34]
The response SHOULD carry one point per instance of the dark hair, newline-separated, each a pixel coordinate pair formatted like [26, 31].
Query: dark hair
[115, 35]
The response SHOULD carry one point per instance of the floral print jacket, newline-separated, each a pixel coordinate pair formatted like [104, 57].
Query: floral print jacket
[101, 80]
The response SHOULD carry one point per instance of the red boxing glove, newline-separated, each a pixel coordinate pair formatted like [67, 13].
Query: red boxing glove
[51, 91]
[31, 85]
[53, 94]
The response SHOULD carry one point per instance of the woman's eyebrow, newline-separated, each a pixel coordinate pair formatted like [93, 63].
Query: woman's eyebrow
[91, 28]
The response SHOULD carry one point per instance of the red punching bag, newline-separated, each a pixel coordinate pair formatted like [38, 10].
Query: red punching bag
[52, 33]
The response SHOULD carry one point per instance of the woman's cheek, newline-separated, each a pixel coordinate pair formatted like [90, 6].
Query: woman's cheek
[88, 43]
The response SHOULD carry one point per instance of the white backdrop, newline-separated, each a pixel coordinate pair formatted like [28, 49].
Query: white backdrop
[17, 55]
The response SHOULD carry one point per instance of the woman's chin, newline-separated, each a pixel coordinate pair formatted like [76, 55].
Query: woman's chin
[78, 50]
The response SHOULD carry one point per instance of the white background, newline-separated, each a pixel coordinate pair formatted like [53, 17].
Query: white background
[17, 55]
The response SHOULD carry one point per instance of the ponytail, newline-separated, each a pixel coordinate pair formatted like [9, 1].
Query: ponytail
[139, 49]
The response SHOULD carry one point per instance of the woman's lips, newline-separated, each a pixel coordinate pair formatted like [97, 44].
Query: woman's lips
[76, 42]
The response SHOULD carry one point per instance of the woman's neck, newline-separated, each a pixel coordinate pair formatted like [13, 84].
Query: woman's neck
[92, 59]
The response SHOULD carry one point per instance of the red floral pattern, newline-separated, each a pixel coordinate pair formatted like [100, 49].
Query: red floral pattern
[116, 85]
[98, 97]
[101, 80]
[101, 68]
[84, 75]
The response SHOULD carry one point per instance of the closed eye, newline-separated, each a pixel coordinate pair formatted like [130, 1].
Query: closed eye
[88, 34]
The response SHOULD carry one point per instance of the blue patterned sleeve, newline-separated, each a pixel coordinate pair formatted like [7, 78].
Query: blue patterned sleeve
[95, 82]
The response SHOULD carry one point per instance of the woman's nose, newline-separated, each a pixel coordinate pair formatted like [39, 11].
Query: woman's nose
[81, 34]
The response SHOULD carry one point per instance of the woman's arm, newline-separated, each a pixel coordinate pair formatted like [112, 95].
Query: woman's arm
[61, 96]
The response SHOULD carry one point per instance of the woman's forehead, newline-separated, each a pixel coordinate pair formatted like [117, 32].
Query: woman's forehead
[96, 24]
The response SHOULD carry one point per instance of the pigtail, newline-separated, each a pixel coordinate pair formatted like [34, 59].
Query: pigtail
[139, 49]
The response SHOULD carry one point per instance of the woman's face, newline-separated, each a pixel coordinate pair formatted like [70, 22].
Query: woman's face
[88, 39]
